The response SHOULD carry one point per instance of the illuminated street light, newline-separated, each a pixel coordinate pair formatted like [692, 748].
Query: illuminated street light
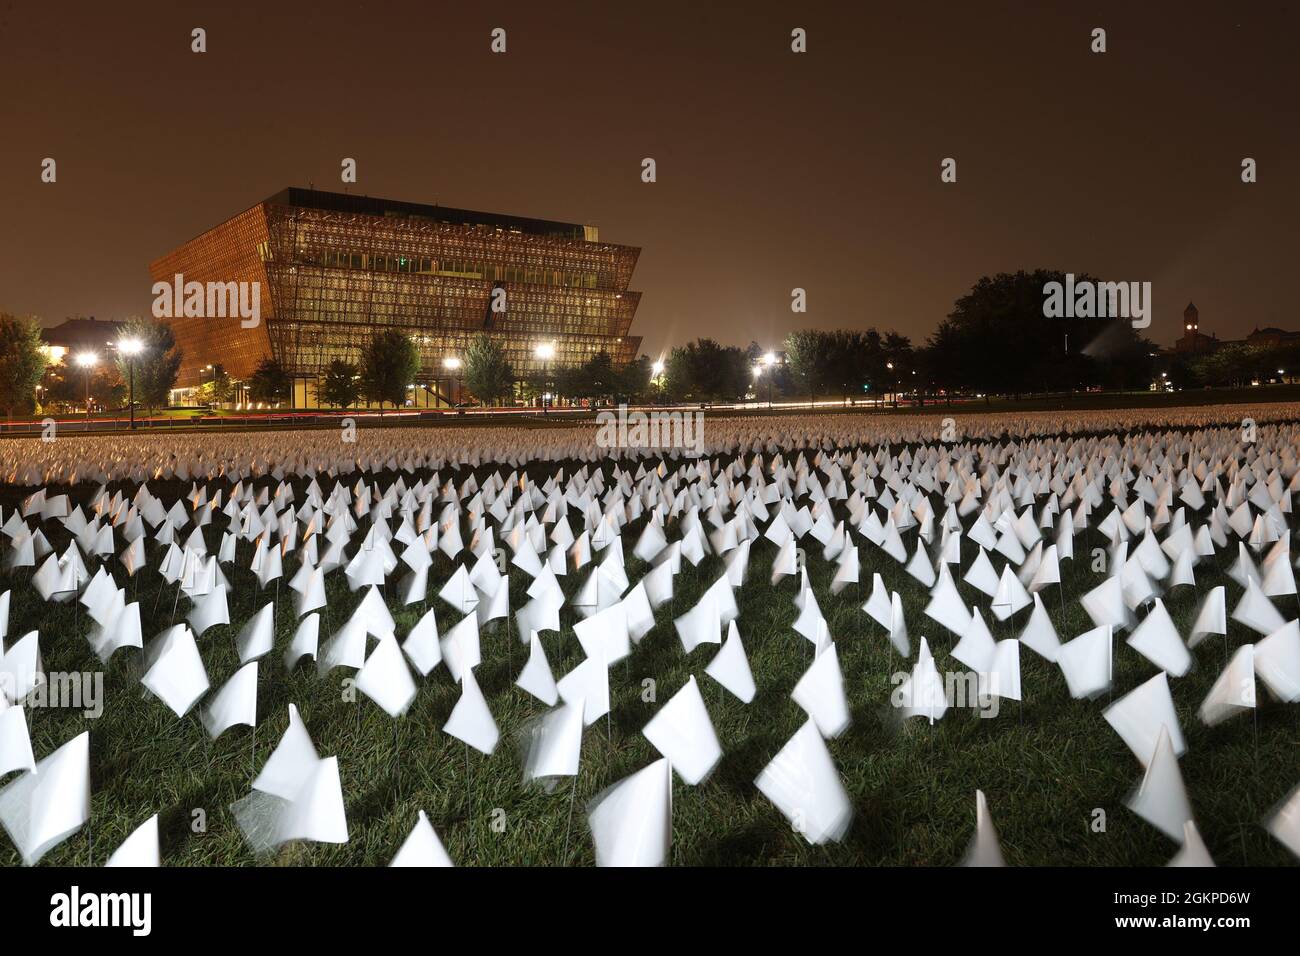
[545, 351]
[769, 360]
[131, 348]
[657, 368]
[87, 360]
[452, 364]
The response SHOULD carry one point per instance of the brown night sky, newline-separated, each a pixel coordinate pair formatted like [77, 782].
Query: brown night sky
[775, 170]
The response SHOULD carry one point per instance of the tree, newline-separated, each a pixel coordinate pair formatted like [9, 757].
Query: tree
[340, 387]
[216, 391]
[848, 361]
[998, 340]
[599, 378]
[22, 363]
[703, 371]
[389, 363]
[223, 389]
[156, 365]
[270, 383]
[808, 354]
[488, 374]
[65, 385]
[1236, 363]
[634, 380]
[595, 378]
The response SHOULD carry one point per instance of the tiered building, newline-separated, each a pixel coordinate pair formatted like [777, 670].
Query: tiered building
[335, 268]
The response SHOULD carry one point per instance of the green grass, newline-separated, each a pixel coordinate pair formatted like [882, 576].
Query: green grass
[1044, 765]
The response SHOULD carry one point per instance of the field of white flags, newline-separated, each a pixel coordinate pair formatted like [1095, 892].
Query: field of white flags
[830, 639]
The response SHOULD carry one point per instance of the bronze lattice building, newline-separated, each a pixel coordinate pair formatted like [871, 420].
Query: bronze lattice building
[335, 268]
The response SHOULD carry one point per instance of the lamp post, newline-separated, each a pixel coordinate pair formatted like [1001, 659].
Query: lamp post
[545, 352]
[452, 364]
[130, 348]
[656, 376]
[87, 360]
[893, 381]
[769, 360]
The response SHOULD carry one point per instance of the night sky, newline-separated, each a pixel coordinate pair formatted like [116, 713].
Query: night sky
[775, 170]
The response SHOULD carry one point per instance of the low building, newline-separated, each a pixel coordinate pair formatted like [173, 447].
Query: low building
[80, 335]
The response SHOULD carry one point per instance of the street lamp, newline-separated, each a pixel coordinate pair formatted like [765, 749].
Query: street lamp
[545, 352]
[452, 364]
[769, 360]
[657, 378]
[87, 360]
[131, 348]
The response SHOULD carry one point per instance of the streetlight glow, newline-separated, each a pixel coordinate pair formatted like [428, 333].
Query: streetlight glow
[130, 348]
[451, 362]
[657, 367]
[545, 351]
[87, 359]
[769, 359]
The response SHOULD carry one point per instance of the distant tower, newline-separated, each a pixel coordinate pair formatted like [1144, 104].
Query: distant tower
[1191, 318]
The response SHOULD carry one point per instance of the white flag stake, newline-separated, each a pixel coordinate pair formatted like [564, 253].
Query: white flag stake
[1283, 822]
[422, 847]
[1142, 714]
[730, 668]
[42, 808]
[631, 822]
[804, 784]
[984, 848]
[682, 731]
[1161, 799]
[1193, 852]
[140, 848]
[536, 677]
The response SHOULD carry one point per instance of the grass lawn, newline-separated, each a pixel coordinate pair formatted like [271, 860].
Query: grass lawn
[1045, 766]
[1081, 401]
